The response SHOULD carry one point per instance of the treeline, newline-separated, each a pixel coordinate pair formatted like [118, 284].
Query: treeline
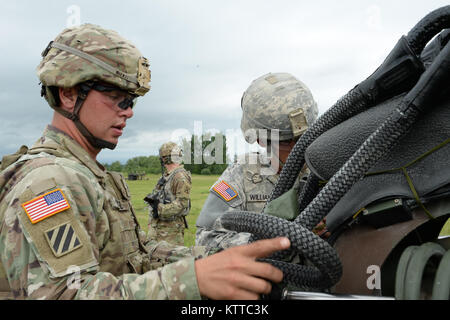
[201, 155]
[137, 165]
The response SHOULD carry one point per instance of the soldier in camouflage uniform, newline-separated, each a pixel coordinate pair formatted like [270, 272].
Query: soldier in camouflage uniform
[67, 227]
[277, 110]
[167, 217]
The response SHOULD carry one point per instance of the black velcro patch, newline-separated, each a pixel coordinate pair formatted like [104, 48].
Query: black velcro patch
[62, 239]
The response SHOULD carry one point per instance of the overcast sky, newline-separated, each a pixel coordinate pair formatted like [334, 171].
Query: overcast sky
[203, 55]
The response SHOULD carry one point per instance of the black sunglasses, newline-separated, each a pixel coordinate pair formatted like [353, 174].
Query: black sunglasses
[128, 102]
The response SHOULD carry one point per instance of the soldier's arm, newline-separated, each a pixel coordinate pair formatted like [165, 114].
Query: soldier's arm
[220, 238]
[163, 252]
[174, 281]
[225, 195]
[210, 232]
[181, 189]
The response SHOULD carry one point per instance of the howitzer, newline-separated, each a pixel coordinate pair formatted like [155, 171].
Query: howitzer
[382, 152]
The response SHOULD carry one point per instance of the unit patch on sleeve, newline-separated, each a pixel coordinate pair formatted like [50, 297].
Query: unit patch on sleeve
[225, 191]
[46, 205]
[62, 239]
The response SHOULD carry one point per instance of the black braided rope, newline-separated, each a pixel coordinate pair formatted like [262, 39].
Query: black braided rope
[309, 191]
[307, 194]
[427, 27]
[328, 268]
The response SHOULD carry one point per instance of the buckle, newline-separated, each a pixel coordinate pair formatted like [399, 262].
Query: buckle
[298, 122]
[47, 49]
[143, 76]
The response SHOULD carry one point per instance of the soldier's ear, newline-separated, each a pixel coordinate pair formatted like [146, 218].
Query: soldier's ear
[68, 97]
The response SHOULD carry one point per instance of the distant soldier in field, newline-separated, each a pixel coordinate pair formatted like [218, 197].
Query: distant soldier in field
[169, 203]
[277, 109]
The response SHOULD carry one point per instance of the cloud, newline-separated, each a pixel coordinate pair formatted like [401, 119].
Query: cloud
[203, 55]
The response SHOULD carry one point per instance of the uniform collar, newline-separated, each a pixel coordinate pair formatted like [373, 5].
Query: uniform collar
[56, 139]
[171, 171]
[273, 178]
[259, 171]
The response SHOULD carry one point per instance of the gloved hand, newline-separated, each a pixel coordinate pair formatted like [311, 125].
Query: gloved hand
[154, 206]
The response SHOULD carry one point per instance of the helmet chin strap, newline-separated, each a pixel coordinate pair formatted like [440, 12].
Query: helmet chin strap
[74, 116]
[275, 156]
[94, 141]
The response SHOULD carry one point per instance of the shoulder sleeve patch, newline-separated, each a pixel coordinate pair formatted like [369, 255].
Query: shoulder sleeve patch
[61, 241]
[45, 205]
[225, 191]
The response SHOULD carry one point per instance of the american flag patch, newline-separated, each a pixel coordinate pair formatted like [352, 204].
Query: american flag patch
[225, 190]
[46, 205]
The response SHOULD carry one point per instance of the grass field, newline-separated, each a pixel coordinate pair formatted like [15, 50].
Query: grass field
[200, 189]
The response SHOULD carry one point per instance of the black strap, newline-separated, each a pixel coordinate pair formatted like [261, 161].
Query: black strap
[83, 91]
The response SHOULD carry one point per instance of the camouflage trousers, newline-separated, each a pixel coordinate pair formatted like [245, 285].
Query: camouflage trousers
[169, 231]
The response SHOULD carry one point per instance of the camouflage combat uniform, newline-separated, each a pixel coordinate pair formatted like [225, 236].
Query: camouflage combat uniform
[97, 237]
[174, 206]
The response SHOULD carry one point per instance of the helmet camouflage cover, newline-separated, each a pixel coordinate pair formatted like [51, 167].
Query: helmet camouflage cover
[170, 152]
[89, 52]
[277, 101]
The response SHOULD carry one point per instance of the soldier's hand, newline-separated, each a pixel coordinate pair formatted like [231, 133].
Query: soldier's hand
[235, 274]
[155, 210]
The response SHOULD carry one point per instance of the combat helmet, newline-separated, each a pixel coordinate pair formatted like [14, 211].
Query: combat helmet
[170, 152]
[91, 57]
[277, 101]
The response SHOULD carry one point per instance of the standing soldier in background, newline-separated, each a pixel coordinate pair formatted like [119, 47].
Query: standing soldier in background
[67, 226]
[169, 203]
[277, 109]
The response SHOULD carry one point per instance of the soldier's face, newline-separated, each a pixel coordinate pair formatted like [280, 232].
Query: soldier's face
[102, 116]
